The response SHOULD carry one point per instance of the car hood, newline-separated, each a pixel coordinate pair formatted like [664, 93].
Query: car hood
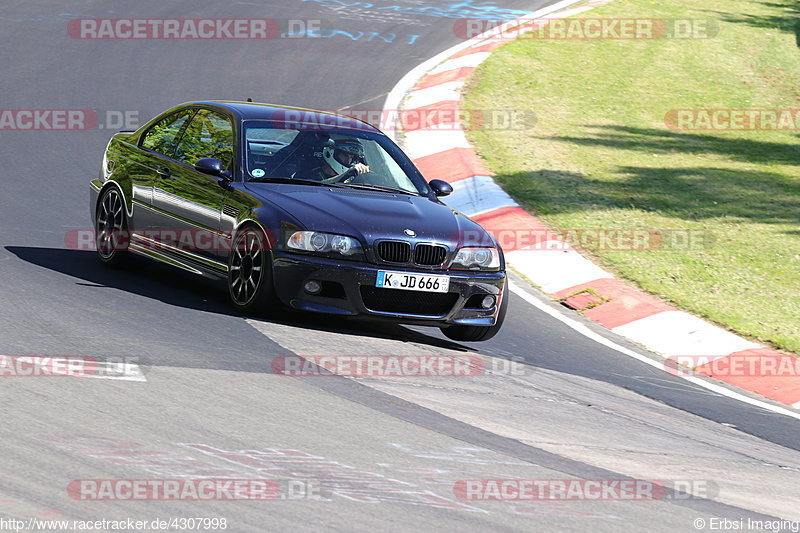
[369, 215]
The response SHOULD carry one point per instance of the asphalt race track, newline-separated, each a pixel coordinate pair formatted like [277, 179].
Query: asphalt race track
[203, 401]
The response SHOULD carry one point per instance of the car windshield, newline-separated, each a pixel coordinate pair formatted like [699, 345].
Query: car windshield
[278, 153]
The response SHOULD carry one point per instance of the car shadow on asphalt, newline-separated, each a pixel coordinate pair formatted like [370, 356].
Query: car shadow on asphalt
[174, 287]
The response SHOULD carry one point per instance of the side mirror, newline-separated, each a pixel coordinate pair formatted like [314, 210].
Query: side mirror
[209, 165]
[440, 187]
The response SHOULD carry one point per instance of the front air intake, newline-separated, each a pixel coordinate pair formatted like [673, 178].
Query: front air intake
[394, 251]
[429, 254]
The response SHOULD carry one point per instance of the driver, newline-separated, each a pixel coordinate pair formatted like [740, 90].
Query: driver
[340, 157]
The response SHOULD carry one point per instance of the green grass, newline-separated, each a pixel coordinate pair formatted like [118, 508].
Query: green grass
[601, 156]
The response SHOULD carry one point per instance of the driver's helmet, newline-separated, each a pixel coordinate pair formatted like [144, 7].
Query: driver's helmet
[342, 154]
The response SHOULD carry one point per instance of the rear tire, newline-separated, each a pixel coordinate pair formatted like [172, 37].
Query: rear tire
[111, 229]
[479, 333]
[250, 273]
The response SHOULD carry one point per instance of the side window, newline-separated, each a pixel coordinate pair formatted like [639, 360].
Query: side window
[163, 136]
[209, 135]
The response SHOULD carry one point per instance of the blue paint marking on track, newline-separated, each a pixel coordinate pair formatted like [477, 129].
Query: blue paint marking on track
[465, 9]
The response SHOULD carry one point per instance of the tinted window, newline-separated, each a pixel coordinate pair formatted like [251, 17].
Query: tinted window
[208, 135]
[164, 135]
[298, 153]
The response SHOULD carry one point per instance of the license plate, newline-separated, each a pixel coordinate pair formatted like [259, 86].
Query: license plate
[409, 281]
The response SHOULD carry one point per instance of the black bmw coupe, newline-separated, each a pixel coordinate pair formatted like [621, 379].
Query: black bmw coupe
[297, 207]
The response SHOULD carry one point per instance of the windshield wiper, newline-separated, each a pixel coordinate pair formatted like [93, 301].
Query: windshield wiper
[291, 180]
[339, 185]
[371, 187]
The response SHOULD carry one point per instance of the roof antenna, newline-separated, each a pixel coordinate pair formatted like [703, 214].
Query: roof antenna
[249, 99]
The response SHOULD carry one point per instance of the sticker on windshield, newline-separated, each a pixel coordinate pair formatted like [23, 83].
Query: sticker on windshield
[258, 173]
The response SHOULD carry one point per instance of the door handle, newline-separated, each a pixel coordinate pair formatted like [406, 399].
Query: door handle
[164, 172]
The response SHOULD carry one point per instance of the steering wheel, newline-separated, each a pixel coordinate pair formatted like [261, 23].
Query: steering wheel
[346, 175]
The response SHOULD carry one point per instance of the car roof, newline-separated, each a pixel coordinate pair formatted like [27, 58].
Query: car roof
[259, 111]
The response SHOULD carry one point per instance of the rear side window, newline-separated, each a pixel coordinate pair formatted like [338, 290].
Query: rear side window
[163, 136]
[208, 135]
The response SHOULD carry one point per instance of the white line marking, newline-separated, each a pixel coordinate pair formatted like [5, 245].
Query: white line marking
[478, 194]
[118, 371]
[586, 332]
[553, 267]
[427, 142]
[471, 60]
[678, 333]
[444, 92]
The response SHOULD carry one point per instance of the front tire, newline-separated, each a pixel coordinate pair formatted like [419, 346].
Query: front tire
[111, 228]
[479, 333]
[250, 273]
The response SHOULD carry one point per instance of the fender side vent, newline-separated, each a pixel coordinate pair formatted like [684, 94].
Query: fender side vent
[231, 211]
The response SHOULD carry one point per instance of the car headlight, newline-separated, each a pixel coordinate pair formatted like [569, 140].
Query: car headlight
[475, 258]
[324, 243]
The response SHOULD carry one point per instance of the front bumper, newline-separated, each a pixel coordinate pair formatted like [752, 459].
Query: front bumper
[357, 281]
